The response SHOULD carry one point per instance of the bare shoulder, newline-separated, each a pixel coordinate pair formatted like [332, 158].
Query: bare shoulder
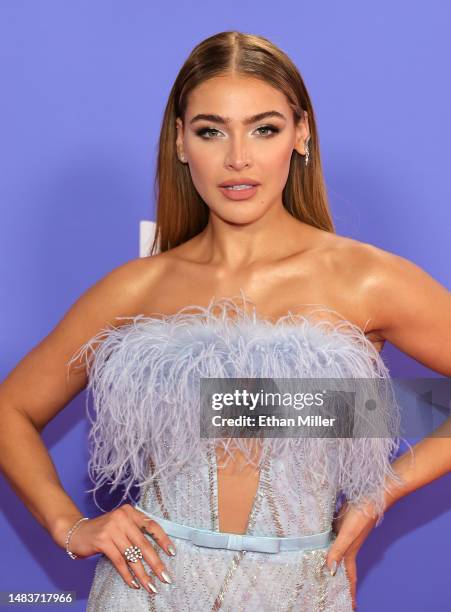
[40, 385]
[352, 263]
[378, 274]
[402, 302]
[356, 272]
[134, 278]
[130, 284]
[342, 251]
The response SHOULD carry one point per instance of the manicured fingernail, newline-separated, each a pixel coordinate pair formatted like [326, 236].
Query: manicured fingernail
[152, 587]
[166, 577]
[333, 568]
[171, 550]
[135, 584]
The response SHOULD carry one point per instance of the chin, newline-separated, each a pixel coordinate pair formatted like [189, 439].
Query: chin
[240, 216]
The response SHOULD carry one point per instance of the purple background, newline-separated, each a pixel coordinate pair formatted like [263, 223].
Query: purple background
[83, 90]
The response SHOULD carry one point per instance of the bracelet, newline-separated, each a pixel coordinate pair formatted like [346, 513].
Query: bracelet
[69, 534]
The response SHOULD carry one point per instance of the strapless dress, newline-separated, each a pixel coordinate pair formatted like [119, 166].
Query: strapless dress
[143, 406]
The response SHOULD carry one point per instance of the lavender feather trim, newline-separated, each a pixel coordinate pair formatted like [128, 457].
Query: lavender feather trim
[144, 374]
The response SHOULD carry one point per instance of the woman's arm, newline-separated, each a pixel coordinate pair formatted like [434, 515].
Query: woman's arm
[39, 387]
[431, 459]
[409, 308]
[28, 467]
[413, 311]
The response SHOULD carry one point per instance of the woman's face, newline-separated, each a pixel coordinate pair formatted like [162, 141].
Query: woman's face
[231, 143]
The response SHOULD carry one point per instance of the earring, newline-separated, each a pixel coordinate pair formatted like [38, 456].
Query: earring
[182, 157]
[307, 152]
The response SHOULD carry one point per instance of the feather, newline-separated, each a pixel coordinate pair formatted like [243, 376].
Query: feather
[144, 380]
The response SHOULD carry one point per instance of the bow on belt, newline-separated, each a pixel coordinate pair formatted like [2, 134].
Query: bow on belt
[236, 541]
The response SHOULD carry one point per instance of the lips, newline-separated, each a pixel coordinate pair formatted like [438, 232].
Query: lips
[241, 181]
[239, 193]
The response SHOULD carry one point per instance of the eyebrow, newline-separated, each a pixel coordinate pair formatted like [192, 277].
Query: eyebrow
[246, 121]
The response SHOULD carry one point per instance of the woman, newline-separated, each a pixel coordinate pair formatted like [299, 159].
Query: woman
[310, 303]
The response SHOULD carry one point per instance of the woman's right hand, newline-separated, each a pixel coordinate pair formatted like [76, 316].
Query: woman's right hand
[113, 532]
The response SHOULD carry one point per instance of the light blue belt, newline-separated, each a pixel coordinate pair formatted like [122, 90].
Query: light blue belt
[235, 541]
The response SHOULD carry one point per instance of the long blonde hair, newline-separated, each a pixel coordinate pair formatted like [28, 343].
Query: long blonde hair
[181, 212]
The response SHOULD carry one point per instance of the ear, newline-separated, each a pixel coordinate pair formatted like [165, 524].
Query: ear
[179, 139]
[302, 134]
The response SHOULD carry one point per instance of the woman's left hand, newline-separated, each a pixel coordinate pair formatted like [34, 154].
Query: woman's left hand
[352, 527]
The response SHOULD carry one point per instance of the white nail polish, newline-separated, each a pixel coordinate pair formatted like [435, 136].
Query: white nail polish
[135, 584]
[333, 568]
[152, 587]
[166, 577]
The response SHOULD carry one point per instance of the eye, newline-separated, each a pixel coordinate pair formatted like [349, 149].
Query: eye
[273, 129]
[208, 133]
[202, 132]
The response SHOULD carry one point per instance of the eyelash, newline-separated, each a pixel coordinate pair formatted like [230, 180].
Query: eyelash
[202, 131]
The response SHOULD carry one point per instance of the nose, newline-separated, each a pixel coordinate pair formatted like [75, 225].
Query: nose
[238, 155]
